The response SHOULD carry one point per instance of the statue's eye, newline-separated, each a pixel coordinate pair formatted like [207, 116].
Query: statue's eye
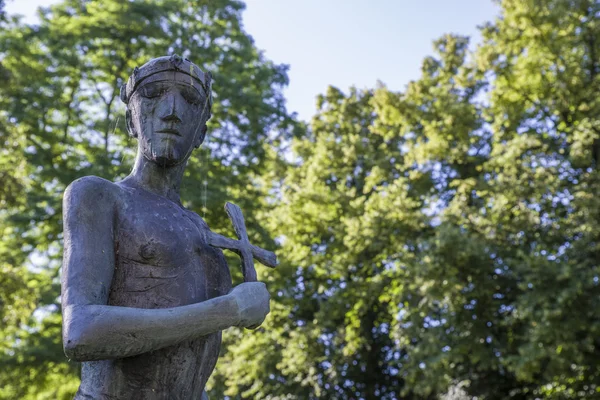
[191, 95]
[151, 91]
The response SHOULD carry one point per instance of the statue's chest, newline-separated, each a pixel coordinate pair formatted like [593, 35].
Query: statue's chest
[159, 233]
[162, 258]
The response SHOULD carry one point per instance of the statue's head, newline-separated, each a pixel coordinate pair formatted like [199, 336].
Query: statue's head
[168, 104]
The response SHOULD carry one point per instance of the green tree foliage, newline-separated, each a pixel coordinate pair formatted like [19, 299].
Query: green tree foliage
[439, 241]
[328, 335]
[60, 118]
[446, 236]
[512, 271]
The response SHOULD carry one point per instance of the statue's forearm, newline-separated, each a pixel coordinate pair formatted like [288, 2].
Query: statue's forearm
[99, 332]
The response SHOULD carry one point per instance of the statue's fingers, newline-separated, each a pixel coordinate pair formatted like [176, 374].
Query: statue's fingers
[255, 326]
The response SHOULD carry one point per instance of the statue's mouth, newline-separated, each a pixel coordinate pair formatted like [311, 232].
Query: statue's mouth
[170, 131]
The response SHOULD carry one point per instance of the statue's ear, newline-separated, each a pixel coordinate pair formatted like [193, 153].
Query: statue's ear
[130, 128]
[201, 136]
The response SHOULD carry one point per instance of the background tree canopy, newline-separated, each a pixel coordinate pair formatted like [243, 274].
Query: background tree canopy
[437, 240]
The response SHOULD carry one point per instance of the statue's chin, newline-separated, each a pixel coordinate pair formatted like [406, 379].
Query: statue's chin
[165, 162]
[164, 156]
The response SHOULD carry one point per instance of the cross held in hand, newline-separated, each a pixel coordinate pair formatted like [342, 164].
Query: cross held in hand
[246, 250]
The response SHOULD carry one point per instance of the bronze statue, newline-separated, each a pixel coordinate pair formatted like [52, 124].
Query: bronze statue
[146, 290]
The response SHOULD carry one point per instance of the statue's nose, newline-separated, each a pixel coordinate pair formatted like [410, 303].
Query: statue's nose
[171, 112]
[171, 117]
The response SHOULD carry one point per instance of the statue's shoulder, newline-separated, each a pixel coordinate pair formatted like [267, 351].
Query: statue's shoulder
[91, 191]
[197, 219]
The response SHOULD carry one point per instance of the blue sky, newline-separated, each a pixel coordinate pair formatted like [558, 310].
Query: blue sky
[345, 42]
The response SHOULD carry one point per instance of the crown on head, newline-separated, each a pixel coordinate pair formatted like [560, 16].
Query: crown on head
[168, 63]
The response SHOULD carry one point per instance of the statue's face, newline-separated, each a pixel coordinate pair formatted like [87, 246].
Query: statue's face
[168, 113]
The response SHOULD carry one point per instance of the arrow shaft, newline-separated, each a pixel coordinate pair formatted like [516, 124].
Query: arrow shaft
[248, 266]
[237, 219]
[263, 256]
[223, 242]
[247, 251]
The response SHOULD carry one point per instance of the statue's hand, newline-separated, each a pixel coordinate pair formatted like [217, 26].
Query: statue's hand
[252, 299]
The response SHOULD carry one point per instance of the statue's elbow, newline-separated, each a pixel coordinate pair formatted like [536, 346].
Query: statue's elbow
[73, 350]
[75, 340]
[74, 345]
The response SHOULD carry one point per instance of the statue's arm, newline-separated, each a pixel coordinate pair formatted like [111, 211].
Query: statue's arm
[93, 330]
[100, 332]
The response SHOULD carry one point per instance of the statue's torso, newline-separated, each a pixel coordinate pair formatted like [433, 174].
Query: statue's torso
[162, 260]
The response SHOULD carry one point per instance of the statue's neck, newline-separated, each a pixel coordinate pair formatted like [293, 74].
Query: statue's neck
[163, 181]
